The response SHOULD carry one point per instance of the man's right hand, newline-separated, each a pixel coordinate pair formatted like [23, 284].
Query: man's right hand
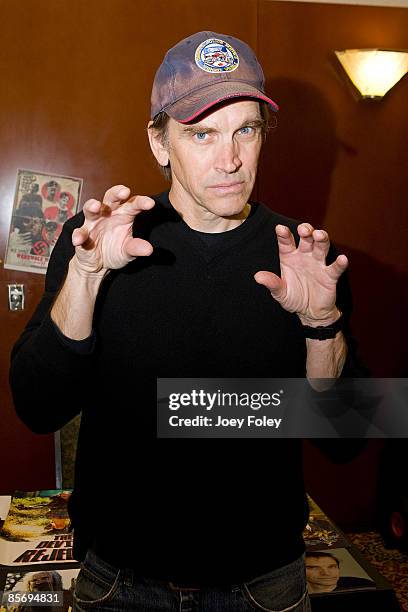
[105, 241]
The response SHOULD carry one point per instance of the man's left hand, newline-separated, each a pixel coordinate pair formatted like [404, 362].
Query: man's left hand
[306, 286]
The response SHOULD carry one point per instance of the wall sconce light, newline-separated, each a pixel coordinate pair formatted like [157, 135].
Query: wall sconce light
[373, 71]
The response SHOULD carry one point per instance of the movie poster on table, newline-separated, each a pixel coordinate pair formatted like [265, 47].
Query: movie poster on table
[334, 571]
[37, 529]
[50, 589]
[42, 204]
[320, 532]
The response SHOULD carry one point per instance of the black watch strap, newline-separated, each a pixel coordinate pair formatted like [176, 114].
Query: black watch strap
[323, 332]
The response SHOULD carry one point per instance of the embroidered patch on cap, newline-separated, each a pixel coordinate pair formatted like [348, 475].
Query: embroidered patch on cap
[214, 55]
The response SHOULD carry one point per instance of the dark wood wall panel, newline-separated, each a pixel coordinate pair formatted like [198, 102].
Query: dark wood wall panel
[76, 79]
[341, 162]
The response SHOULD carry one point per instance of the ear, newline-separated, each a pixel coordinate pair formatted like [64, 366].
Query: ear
[159, 150]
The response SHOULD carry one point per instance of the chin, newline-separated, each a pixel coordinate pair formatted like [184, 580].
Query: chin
[228, 206]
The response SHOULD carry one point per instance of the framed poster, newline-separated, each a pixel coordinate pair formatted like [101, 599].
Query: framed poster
[42, 204]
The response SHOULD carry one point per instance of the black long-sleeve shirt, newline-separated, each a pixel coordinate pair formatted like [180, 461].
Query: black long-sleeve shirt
[188, 510]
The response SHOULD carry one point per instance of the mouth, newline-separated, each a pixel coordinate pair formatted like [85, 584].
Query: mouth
[228, 187]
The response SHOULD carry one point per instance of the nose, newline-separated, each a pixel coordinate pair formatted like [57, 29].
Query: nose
[228, 159]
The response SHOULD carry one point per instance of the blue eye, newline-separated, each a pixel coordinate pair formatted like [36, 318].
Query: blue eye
[246, 130]
[201, 135]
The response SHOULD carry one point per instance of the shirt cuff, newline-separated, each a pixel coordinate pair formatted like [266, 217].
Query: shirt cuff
[82, 347]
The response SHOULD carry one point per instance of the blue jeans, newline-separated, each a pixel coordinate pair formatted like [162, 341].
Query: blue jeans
[103, 588]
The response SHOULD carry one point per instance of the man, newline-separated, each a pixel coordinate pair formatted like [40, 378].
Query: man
[50, 233]
[26, 234]
[323, 575]
[32, 202]
[195, 282]
[51, 190]
[61, 212]
[37, 582]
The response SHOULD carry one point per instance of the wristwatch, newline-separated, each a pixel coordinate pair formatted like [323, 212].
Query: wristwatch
[324, 332]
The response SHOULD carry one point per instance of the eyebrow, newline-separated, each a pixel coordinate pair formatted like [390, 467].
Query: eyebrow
[202, 127]
[197, 128]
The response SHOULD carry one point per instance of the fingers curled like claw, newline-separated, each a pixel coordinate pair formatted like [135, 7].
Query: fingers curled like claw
[342, 261]
[136, 204]
[91, 209]
[320, 235]
[282, 230]
[286, 241]
[305, 229]
[116, 194]
[137, 247]
[79, 236]
[337, 268]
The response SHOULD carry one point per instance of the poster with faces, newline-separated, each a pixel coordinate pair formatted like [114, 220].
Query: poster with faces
[329, 571]
[42, 204]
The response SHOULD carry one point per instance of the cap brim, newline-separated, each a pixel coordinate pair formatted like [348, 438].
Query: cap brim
[191, 107]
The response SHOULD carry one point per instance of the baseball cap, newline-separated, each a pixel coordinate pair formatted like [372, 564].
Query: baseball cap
[203, 70]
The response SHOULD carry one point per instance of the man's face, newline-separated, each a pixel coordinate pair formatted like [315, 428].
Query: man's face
[322, 573]
[214, 160]
[50, 230]
[51, 190]
[40, 582]
[36, 226]
[63, 201]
